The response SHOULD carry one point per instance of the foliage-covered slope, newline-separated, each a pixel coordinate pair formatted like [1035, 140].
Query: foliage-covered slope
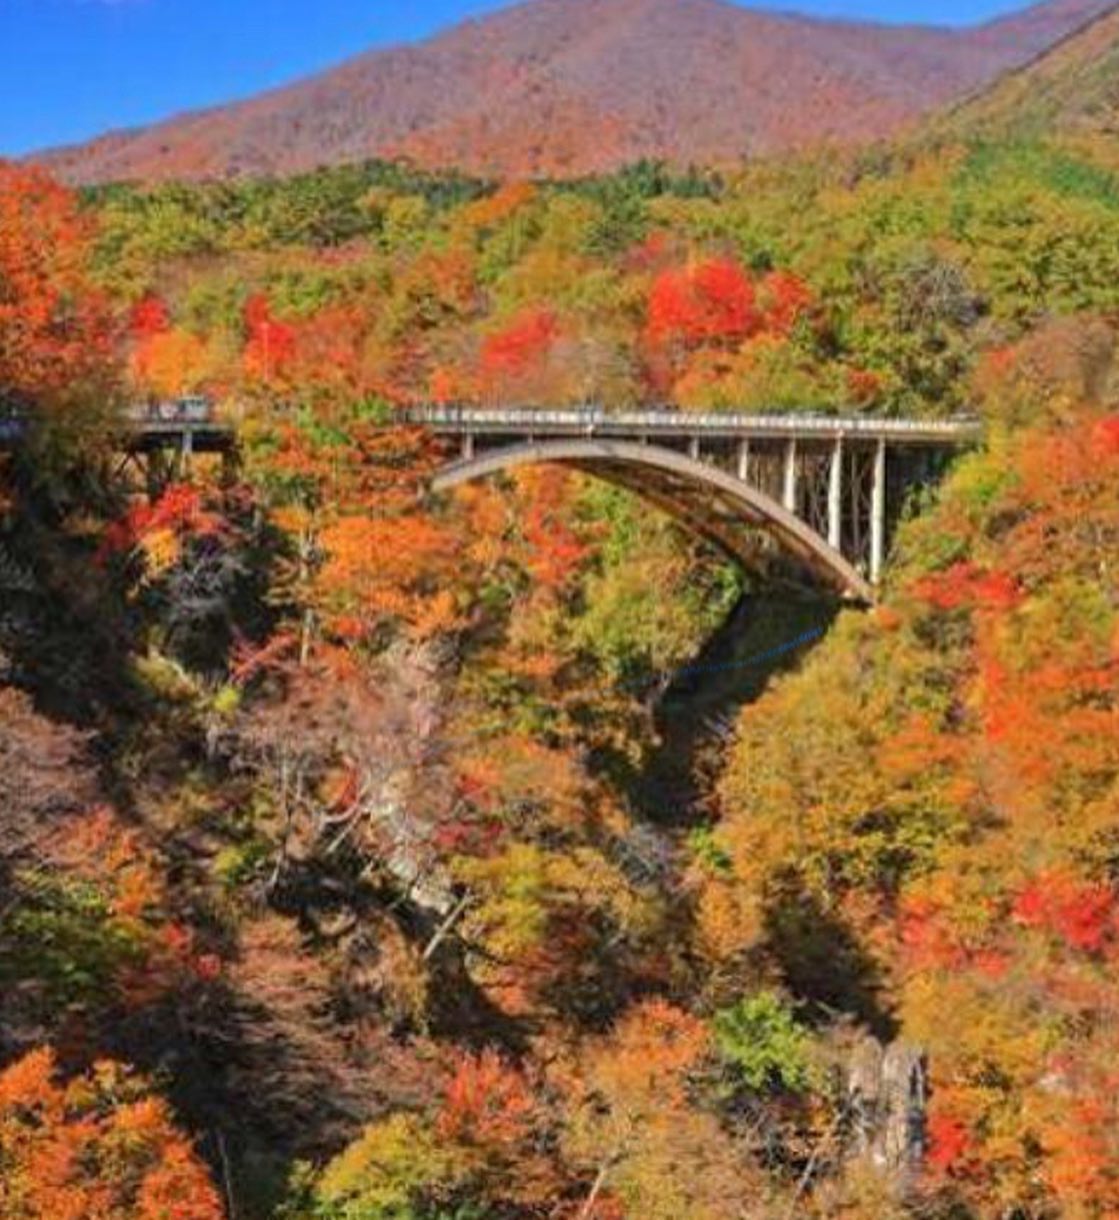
[564, 87]
[1074, 89]
[921, 824]
[328, 808]
[370, 281]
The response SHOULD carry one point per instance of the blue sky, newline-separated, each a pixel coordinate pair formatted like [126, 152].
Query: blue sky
[75, 68]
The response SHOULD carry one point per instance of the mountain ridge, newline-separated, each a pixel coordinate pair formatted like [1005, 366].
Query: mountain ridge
[568, 87]
[1072, 85]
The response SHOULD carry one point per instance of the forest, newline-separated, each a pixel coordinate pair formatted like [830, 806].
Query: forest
[370, 856]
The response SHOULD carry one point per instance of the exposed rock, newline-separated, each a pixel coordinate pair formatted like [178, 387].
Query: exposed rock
[887, 1090]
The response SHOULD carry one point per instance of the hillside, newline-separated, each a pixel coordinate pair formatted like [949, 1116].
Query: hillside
[567, 87]
[509, 854]
[1072, 88]
[357, 858]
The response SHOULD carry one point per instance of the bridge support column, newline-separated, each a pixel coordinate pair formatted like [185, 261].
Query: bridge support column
[835, 496]
[186, 453]
[789, 498]
[744, 461]
[878, 514]
[693, 448]
[467, 446]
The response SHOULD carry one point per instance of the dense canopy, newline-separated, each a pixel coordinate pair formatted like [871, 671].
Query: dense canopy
[509, 854]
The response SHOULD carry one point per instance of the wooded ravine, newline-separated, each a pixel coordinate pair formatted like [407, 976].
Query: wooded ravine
[511, 853]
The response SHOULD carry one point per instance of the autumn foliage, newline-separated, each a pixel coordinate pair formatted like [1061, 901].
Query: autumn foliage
[382, 827]
[966, 852]
[713, 301]
[98, 1146]
[270, 343]
[57, 335]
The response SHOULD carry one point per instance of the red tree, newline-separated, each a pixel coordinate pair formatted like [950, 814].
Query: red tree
[708, 302]
[270, 344]
[149, 316]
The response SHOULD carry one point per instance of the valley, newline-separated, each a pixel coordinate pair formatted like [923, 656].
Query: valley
[715, 816]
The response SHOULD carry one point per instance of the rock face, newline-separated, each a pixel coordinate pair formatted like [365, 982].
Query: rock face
[402, 825]
[568, 87]
[887, 1093]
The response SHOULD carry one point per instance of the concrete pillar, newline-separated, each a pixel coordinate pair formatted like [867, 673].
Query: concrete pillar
[744, 460]
[186, 452]
[835, 496]
[693, 448]
[878, 515]
[467, 446]
[789, 498]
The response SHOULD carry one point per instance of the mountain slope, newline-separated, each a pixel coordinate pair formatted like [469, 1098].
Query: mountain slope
[1074, 87]
[575, 86]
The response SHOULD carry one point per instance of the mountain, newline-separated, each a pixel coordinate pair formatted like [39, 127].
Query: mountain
[1073, 87]
[566, 87]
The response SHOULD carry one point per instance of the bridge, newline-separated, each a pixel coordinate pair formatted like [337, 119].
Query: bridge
[157, 440]
[160, 439]
[826, 491]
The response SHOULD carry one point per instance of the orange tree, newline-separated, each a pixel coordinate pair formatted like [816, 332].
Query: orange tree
[100, 1146]
[365, 555]
[56, 332]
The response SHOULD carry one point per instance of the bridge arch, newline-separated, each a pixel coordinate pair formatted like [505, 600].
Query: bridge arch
[713, 503]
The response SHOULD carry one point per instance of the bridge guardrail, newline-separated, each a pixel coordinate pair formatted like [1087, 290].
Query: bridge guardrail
[191, 409]
[669, 422]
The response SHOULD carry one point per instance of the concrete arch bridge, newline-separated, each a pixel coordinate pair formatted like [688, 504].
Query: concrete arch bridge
[822, 492]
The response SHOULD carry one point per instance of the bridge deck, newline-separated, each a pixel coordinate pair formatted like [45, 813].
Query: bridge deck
[829, 488]
[667, 424]
[199, 436]
[145, 435]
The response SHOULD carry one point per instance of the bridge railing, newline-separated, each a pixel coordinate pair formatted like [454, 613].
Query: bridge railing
[190, 409]
[669, 421]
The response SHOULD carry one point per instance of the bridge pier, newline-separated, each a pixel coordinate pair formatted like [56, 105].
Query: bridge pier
[835, 496]
[789, 488]
[186, 452]
[744, 460]
[878, 514]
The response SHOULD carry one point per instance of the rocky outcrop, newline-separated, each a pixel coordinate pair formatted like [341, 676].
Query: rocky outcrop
[887, 1092]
